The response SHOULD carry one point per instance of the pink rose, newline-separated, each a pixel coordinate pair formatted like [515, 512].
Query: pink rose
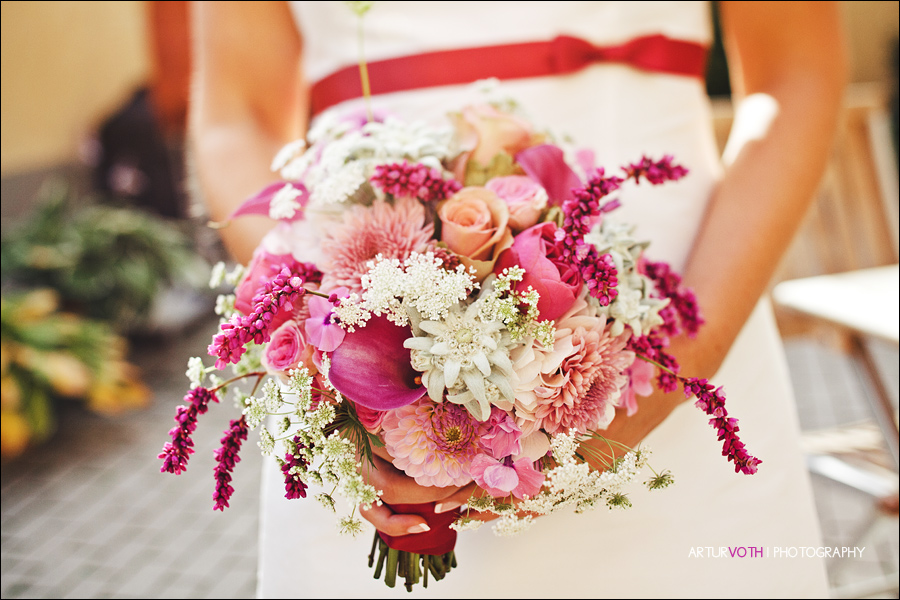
[524, 198]
[474, 224]
[370, 418]
[287, 349]
[489, 131]
[551, 276]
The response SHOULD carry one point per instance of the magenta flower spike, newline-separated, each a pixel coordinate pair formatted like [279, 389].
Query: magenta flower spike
[712, 401]
[414, 181]
[226, 459]
[372, 368]
[293, 485]
[683, 301]
[282, 292]
[175, 454]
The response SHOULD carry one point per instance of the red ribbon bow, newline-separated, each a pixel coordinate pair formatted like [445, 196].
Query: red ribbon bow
[560, 56]
[655, 53]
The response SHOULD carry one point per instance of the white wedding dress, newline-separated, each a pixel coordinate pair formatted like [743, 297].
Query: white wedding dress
[651, 549]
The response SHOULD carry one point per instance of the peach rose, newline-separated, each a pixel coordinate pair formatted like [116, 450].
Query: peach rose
[484, 132]
[474, 224]
[493, 131]
[524, 198]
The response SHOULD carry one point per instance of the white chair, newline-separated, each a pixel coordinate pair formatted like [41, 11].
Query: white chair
[842, 274]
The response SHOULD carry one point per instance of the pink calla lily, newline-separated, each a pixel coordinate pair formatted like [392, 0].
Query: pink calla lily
[259, 203]
[372, 368]
[545, 165]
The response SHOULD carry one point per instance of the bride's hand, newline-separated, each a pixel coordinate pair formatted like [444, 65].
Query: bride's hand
[399, 488]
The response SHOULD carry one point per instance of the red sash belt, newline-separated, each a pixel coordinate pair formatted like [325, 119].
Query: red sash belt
[559, 56]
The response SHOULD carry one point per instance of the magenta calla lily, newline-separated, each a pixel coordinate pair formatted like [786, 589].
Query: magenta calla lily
[259, 203]
[545, 164]
[372, 368]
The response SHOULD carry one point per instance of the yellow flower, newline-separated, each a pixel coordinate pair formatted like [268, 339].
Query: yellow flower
[10, 393]
[67, 375]
[119, 389]
[36, 306]
[14, 434]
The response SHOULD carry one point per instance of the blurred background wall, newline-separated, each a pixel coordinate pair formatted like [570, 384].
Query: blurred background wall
[871, 28]
[66, 65]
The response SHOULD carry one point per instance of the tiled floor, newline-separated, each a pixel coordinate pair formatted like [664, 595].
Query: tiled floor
[90, 516]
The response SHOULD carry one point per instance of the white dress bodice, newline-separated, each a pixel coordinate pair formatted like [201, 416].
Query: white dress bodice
[617, 111]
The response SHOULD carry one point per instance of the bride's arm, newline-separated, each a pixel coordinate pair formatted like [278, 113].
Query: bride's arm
[788, 68]
[247, 101]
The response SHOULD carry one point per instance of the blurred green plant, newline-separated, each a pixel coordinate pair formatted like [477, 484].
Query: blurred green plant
[105, 262]
[50, 356]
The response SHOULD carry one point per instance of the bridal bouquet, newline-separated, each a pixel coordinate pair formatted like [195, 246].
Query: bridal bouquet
[460, 300]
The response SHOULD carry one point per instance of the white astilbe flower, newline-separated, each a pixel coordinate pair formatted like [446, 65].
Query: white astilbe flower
[234, 277]
[351, 313]
[326, 500]
[284, 203]
[319, 457]
[272, 395]
[343, 155]
[462, 352]
[633, 307]
[225, 305]
[266, 441]
[340, 185]
[518, 311]
[255, 412]
[288, 153]
[195, 371]
[564, 446]
[217, 275]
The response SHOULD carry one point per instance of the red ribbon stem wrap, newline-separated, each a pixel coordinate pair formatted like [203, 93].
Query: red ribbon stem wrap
[440, 539]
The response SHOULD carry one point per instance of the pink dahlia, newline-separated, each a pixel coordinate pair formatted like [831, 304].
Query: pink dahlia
[591, 376]
[394, 231]
[434, 443]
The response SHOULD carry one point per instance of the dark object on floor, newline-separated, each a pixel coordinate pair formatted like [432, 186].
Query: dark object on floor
[134, 161]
